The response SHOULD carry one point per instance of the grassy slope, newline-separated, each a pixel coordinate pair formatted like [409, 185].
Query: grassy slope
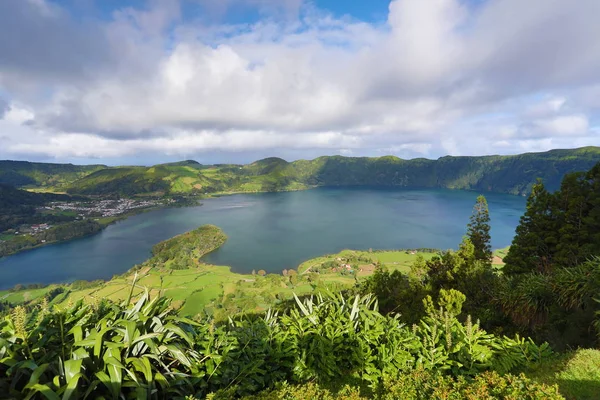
[207, 287]
[508, 174]
[24, 173]
[577, 374]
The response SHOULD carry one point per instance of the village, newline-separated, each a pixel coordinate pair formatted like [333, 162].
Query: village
[105, 208]
[83, 210]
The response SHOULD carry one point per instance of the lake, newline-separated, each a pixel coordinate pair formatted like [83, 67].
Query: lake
[274, 231]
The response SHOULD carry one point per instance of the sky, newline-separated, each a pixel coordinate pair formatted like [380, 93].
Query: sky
[150, 81]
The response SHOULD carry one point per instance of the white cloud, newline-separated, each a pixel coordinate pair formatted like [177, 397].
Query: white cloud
[438, 77]
[566, 125]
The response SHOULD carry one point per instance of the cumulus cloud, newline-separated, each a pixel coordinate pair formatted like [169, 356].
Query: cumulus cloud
[437, 77]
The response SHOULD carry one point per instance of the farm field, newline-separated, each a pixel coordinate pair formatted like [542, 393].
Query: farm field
[204, 288]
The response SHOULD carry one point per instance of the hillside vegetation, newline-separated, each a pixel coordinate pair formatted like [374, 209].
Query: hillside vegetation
[19, 206]
[506, 174]
[24, 173]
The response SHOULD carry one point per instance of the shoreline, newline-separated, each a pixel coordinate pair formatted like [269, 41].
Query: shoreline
[104, 225]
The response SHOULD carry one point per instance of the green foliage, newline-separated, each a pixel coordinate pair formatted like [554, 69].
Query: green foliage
[558, 229]
[19, 207]
[478, 231]
[422, 385]
[145, 351]
[559, 306]
[577, 373]
[536, 235]
[85, 350]
[57, 233]
[397, 293]
[185, 250]
[552, 265]
[24, 173]
[508, 174]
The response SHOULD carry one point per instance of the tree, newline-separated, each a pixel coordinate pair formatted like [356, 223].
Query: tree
[560, 229]
[262, 272]
[418, 270]
[536, 237]
[478, 230]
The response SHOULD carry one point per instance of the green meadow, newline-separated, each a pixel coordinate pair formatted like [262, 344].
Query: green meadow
[198, 288]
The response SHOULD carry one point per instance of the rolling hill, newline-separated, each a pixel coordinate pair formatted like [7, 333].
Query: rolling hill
[505, 174]
[25, 173]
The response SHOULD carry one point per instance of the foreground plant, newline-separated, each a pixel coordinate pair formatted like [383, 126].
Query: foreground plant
[421, 385]
[86, 351]
[146, 351]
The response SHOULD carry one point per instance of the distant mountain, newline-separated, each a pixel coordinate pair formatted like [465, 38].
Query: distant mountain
[24, 173]
[504, 174]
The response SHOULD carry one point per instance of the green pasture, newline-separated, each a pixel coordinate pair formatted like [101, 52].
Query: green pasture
[577, 374]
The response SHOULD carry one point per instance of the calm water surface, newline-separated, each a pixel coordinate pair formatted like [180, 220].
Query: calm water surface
[273, 231]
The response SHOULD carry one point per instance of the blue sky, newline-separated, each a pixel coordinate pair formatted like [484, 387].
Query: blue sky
[146, 81]
[365, 10]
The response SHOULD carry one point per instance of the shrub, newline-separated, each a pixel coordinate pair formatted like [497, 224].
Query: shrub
[145, 350]
[421, 385]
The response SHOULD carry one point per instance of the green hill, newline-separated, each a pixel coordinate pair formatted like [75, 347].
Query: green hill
[506, 174]
[24, 173]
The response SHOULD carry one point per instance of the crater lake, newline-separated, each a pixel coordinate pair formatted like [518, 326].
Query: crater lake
[274, 231]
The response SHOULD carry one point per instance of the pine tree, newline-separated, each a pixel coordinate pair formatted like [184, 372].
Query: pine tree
[478, 230]
[536, 238]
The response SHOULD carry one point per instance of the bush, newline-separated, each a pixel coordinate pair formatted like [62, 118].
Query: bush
[146, 351]
[421, 385]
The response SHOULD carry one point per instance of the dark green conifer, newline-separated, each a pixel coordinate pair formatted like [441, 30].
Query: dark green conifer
[536, 236]
[478, 230]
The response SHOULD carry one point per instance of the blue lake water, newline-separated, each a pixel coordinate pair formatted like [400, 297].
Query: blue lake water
[273, 231]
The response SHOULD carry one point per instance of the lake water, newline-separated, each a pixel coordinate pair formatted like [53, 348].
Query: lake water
[273, 231]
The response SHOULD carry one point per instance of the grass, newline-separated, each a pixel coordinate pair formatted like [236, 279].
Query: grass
[7, 236]
[501, 252]
[201, 286]
[182, 286]
[394, 259]
[576, 373]
[23, 296]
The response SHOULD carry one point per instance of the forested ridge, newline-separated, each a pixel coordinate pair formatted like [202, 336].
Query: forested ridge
[506, 174]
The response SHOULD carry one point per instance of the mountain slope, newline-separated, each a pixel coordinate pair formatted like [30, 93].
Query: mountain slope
[25, 173]
[505, 174]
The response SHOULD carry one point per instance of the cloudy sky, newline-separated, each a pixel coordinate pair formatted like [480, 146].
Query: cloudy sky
[141, 81]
